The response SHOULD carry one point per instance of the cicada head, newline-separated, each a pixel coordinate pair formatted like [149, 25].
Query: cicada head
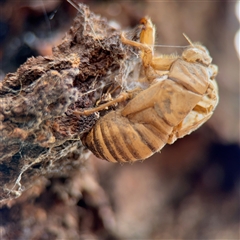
[197, 53]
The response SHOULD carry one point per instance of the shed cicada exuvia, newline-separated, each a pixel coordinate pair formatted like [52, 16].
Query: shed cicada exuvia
[181, 96]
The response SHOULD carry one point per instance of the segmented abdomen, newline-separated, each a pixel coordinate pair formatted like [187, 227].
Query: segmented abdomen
[116, 139]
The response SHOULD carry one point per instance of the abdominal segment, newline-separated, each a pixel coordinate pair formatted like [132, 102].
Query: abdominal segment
[121, 140]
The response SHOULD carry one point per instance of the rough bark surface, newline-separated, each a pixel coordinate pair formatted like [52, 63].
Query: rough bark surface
[39, 134]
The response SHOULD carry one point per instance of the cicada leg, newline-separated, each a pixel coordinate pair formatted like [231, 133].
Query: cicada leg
[146, 49]
[146, 45]
[122, 97]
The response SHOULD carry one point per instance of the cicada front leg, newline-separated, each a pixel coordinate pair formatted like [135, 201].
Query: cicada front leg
[158, 63]
[153, 66]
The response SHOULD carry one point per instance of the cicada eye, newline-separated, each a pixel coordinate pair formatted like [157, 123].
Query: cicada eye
[213, 70]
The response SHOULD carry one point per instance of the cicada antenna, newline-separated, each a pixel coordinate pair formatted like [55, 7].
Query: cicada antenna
[169, 46]
[173, 46]
[188, 39]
